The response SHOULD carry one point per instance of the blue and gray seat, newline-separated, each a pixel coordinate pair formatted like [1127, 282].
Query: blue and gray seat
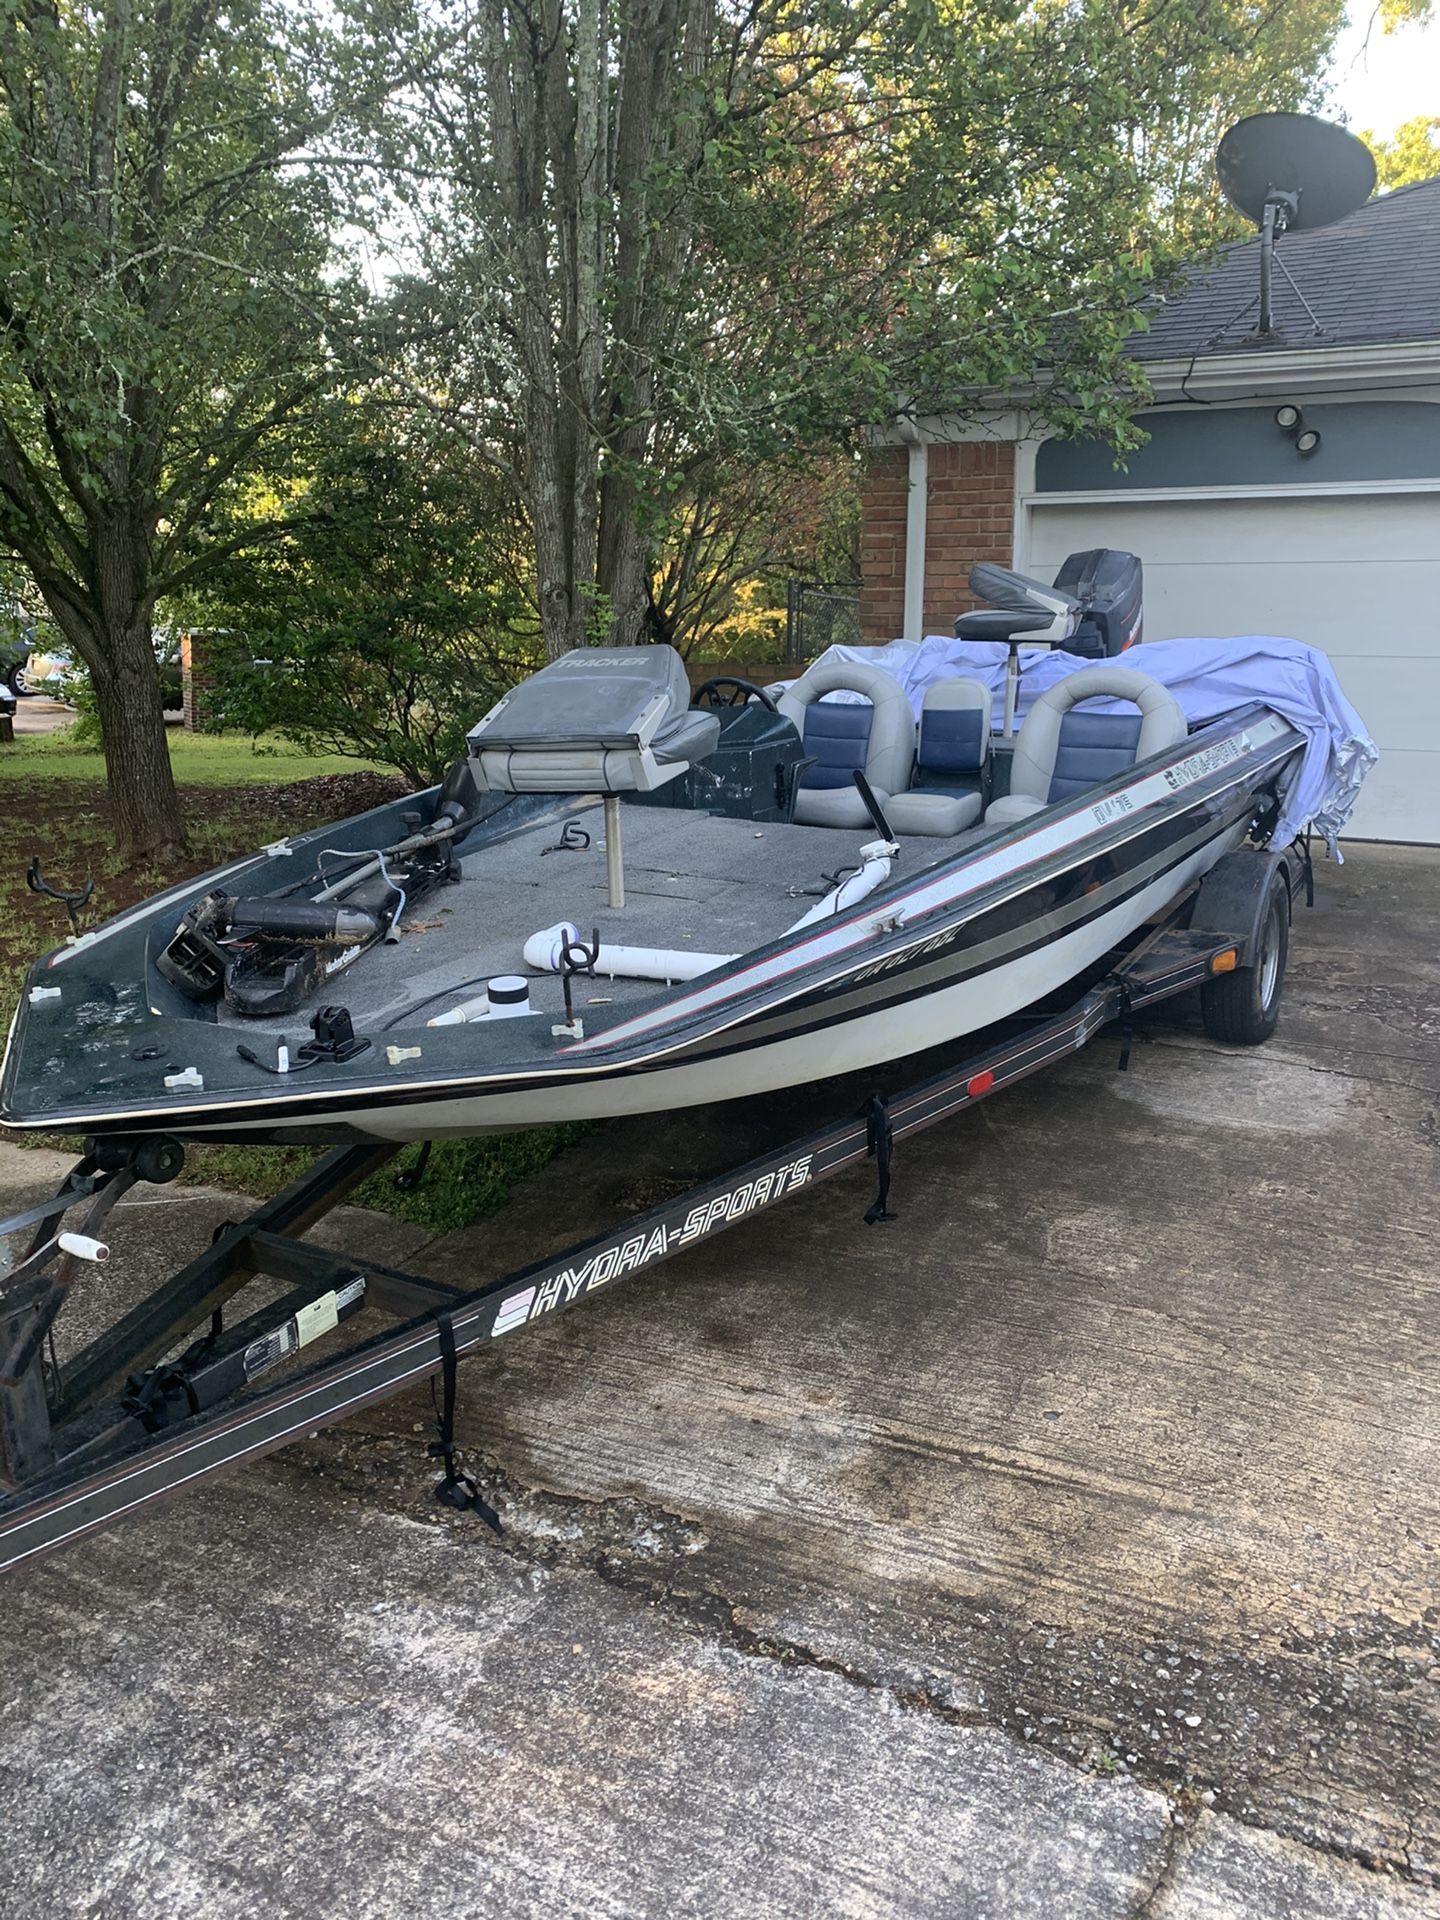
[874, 735]
[952, 756]
[1061, 751]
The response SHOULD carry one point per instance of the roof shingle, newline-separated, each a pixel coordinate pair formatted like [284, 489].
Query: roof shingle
[1370, 278]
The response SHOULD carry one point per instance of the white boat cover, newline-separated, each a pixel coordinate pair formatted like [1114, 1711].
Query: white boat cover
[1208, 677]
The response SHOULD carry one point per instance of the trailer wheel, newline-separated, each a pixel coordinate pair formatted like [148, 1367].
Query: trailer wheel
[1243, 1007]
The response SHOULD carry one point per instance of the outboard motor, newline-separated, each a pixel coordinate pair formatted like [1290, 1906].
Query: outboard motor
[1093, 609]
[1108, 584]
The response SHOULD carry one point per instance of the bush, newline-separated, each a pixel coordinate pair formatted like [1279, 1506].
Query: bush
[386, 622]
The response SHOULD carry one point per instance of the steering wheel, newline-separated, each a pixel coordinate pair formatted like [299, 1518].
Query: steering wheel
[709, 694]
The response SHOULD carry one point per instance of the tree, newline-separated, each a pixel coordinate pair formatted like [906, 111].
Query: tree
[678, 234]
[386, 620]
[169, 310]
[1412, 152]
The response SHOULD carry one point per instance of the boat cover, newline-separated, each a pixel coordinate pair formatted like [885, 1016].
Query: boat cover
[1208, 677]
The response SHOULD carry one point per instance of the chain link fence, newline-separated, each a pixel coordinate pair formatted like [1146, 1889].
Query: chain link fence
[820, 614]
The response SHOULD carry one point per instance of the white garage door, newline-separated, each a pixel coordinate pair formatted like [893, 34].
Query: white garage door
[1358, 575]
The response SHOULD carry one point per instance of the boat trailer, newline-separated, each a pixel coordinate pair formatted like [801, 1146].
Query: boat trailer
[126, 1421]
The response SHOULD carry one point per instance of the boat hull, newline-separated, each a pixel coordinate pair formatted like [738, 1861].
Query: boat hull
[844, 1045]
[944, 954]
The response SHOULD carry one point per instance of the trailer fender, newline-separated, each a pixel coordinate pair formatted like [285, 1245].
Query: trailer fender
[1233, 895]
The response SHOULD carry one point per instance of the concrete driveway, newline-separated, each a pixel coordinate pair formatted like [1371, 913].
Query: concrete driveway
[1070, 1546]
[38, 713]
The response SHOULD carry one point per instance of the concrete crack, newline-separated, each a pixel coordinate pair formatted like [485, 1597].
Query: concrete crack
[633, 1546]
[640, 1548]
[1173, 1848]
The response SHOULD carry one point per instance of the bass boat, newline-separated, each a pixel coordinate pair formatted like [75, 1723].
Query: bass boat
[622, 900]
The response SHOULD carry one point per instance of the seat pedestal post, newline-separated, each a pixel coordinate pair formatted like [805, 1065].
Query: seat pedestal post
[614, 855]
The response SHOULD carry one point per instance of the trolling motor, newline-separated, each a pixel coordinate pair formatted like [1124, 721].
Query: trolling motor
[265, 954]
[72, 902]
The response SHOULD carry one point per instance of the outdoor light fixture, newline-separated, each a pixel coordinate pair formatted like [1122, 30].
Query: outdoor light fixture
[1292, 421]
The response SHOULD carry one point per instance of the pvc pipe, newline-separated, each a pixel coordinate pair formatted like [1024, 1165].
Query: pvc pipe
[506, 997]
[543, 951]
[875, 857]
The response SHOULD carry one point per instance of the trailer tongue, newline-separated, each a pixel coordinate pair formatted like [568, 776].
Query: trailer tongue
[128, 1422]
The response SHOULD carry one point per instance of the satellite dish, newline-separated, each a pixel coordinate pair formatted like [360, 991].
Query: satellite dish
[1326, 171]
[1289, 170]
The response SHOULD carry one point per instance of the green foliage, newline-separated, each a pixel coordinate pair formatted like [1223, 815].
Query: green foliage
[386, 620]
[1411, 154]
[735, 238]
[465, 1180]
[171, 307]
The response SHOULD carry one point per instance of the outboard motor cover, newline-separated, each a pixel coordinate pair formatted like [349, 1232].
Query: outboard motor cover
[1108, 583]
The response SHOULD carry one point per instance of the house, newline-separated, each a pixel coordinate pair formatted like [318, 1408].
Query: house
[1243, 525]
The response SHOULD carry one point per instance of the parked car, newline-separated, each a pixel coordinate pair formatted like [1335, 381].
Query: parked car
[16, 642]
[57, 672]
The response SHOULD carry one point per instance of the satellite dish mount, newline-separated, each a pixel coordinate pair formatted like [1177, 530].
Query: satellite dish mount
[1279, 212]
[1286, 171]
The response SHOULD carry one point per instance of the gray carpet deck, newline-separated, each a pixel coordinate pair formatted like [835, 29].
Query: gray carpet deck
[693, 881]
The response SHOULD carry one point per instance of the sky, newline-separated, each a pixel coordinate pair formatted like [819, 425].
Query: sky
[1393, 78]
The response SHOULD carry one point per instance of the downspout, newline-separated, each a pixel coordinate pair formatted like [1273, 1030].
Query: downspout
[915, 501]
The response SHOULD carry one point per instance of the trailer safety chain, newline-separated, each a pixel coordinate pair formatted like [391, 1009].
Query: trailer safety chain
[879, 1146]
[455, 1489]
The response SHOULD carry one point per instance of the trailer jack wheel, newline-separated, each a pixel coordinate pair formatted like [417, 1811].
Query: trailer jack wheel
[1243, 1008]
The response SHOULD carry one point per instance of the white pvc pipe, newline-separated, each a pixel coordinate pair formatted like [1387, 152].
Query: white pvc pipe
[506, 997]
[875, 857]
[545, 950]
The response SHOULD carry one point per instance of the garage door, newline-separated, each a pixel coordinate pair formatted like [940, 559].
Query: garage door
[1358, 576]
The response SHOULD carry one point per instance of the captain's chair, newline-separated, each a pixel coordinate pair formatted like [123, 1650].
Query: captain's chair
[1061, 751]
[877, 739]
[952, 761]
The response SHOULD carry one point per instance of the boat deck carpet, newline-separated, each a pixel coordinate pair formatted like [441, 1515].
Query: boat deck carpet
[692, 881]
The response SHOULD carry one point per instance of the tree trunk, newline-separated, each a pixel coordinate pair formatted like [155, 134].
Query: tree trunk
[110, 631]
[137, 753]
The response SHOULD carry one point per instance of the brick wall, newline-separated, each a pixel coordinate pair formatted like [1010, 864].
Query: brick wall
[969, 516]
[196, 681]
[882, 544]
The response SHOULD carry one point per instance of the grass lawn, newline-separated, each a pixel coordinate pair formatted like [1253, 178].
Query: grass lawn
[237, 795]
[199, 759]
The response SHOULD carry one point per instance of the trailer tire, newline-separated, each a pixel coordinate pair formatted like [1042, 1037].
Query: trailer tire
[1243, 1008]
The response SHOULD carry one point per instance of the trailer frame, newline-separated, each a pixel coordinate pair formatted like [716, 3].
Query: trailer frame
[120, 1426]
